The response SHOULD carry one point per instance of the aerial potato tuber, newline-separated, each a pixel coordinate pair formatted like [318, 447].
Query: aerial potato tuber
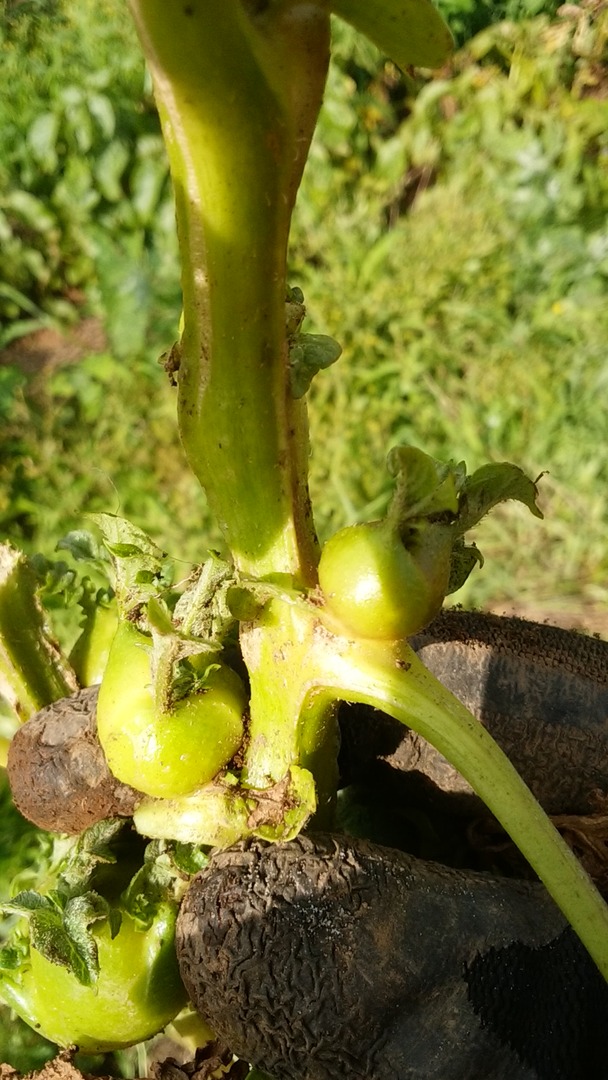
[57, 771]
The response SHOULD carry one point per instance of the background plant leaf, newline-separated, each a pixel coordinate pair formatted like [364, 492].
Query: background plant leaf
[409, 31]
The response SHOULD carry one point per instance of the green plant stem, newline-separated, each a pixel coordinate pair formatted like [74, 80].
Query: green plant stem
[238, 93]
[390, 677]
[288, 725]
[33, 671]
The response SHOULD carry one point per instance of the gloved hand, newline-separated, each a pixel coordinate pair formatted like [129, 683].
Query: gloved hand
[328, 958]
[331, 957]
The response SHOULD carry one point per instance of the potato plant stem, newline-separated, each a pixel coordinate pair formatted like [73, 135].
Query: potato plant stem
[288, 726]
[313, 665]
[238, 92]
[33, 671]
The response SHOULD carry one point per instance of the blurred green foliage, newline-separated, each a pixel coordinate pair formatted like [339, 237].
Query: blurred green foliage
[464, 269]
[96, 435]
[450, 233]
[86, 212]
[467, 17]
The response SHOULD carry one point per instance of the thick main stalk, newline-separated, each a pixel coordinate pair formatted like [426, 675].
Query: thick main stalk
[238, 93]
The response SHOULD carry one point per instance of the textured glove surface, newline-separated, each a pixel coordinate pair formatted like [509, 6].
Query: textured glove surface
[329, 959]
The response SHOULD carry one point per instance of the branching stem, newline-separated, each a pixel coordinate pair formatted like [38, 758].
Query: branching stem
[390, 677]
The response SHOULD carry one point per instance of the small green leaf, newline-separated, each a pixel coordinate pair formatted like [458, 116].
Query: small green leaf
[425, 487]
[80, 914]
[309, 354]
[493, 484]
[99, 840]
[27, 902]
[122, 551]
[141, 568]
[199, 612]
[146, 184]
[102, 109]
[295, 312]
[47, 934]
[189, 858]
[410, 32]
[13, 956]
[465, 557]
[151, 888]
[109, 169]
[95, 846]
[120, 531]
[34, 212]
[83, 546]
[162, 879]
[54, 579]
[60, 922]
[64, 937]
[42, 139]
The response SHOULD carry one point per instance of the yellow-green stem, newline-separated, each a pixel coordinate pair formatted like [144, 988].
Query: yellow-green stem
[390, 677]
[288, 726]
[238, 93]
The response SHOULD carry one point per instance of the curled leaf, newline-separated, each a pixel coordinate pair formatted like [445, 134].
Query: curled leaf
[425, 487]
[410, 32]
[141, 569]
[432, 497]
[493, 484]
[465, 557]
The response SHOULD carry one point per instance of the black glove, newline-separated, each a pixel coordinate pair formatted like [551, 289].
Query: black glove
[329, 958]
[333, 957]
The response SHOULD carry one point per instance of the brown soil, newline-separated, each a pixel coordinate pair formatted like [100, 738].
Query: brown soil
[61, 1068]
[50, 348]
[210, 1060]
[590, 620]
